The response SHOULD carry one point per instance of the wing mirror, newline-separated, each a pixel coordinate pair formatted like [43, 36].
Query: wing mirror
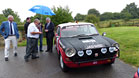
[104, 33]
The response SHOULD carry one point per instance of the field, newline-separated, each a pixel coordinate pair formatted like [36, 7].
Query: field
[128, 38]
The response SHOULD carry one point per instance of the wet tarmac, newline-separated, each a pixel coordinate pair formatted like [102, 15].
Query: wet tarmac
[47, 66]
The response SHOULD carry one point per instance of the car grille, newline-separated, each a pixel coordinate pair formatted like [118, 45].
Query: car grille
[92, 57]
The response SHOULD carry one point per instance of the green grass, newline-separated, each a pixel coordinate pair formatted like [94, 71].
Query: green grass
[128, 38]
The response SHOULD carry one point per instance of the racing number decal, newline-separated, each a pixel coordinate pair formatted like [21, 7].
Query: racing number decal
[95, 62]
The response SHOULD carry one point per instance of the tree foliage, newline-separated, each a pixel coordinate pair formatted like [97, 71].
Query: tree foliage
[63, 15]
[79, 17]
[2, 18]
[106, 16]
[9, 11]
[94, 12]
[132, 9]
[92, 19]
[126, 16]
[116, 15]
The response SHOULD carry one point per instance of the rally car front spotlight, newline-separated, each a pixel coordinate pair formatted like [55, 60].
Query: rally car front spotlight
[103, 50]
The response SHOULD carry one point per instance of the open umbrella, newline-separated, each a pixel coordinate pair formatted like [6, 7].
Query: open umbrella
[40, 9]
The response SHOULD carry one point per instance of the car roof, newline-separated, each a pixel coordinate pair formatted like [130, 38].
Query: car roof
[72, 24]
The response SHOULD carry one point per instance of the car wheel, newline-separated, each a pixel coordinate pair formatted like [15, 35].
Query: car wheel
[62, 65]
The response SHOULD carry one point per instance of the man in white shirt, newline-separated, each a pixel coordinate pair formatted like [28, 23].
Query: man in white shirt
[32, 35]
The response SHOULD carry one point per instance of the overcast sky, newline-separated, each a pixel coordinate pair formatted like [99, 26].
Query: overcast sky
[76, 6]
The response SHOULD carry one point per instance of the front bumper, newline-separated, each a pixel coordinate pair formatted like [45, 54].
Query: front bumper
[85, 64]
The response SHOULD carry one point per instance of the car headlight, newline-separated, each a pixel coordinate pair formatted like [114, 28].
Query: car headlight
[112, 49]
[80, 53]
[88, 52]
[70, 52]
[103, 50]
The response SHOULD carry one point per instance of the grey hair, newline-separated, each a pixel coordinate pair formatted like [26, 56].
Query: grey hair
[10, 16]
[36, 20]
[48, 18]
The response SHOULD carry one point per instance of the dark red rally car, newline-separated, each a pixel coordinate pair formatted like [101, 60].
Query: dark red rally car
[80, 45]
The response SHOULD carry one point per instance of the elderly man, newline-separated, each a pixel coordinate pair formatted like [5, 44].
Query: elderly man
[49, 29]
[32, 35]
[10, 33]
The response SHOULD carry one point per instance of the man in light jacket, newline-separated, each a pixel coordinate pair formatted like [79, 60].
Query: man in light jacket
[9, 31]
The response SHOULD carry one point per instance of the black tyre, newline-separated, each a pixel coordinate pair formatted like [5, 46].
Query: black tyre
[62, 64]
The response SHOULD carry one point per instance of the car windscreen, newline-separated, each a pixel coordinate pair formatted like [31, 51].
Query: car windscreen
[71, 31]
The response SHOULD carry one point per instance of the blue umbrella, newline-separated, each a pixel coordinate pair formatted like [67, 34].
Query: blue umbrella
[40, 9]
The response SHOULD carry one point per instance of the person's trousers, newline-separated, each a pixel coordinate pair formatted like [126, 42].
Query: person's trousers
[31, 47]
[49, 43]
[8, 40]
[26, 41]
[41, 42]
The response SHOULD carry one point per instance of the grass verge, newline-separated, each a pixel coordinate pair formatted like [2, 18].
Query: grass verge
[128, 38]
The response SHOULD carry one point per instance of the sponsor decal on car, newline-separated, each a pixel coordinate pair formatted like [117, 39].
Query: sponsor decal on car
[94, 46]
[88, 41]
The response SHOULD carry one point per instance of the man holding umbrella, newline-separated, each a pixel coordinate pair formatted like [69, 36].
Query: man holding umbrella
[49, 29]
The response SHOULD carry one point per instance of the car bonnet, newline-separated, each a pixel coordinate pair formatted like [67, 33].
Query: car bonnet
[85, 43]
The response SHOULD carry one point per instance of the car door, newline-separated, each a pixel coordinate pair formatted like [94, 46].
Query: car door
[57, 38]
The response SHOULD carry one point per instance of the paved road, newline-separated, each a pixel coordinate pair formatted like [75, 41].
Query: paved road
[47, 66]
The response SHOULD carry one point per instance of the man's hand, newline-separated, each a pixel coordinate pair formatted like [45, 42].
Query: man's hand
[46, 30]
[40, 32]
[33, 33]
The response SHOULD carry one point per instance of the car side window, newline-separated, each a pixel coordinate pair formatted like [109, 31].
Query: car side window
[58, 31]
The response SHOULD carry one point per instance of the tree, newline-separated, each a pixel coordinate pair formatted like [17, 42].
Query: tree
[92, 19]
[116, 15]
[126, 16]
[106, 16]
[9, 11]
[63, 15]
[79, 17]
[132, 9]
[93, 11]
[2, 18]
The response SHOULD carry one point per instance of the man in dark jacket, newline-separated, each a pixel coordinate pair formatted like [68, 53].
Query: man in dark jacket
[28, 20]
[49, 29]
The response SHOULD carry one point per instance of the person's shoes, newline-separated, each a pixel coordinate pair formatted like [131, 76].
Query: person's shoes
[47, 51]
[35, 57]
[51, 51]
[6, 59]
[41, 50]
[15, 54]
[26, 60]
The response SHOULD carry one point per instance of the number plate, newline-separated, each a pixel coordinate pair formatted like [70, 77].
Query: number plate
[95, 62]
